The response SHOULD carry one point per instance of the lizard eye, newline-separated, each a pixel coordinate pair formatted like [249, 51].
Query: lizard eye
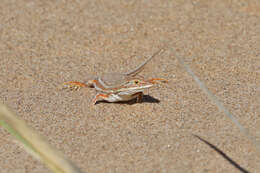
[136, 82]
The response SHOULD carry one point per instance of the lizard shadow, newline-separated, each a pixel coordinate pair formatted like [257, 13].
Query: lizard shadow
[150, 99]
[146, 99]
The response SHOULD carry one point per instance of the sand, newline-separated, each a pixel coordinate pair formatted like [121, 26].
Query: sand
[46, 43]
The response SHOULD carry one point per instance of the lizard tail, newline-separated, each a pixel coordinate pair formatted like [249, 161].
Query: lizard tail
[141, 66]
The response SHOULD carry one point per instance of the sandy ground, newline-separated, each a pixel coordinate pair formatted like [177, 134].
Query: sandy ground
[46, 43]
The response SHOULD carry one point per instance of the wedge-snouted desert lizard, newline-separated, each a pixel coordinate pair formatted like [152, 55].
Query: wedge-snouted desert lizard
[117, 87]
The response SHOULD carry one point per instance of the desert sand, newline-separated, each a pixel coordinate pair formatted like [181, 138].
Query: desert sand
[46, 43]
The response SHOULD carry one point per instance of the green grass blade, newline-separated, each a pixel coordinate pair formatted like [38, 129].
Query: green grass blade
[34, 143]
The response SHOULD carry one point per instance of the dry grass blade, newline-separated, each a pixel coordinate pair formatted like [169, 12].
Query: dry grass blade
[35, 144]
[218, 103]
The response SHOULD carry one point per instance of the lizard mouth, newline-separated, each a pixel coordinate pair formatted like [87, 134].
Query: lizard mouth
[137, 88]
[133, 90]
[147, 86]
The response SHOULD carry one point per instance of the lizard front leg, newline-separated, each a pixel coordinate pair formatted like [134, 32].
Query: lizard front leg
[139, 97]
[157, 80]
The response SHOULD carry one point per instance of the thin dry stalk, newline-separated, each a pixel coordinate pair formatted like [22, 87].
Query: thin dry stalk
[218, 103]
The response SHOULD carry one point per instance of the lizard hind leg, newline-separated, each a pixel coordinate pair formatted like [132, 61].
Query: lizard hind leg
[100, 97]
[74, 85]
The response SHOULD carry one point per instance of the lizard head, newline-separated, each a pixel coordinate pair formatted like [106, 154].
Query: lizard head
[135, 85]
